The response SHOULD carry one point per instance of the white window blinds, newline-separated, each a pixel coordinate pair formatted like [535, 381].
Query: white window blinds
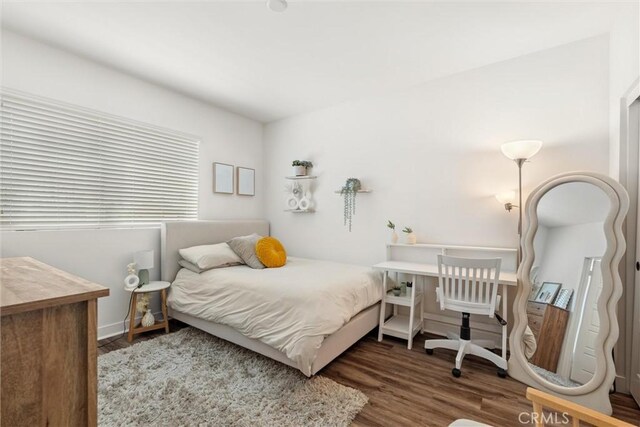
[64, 166]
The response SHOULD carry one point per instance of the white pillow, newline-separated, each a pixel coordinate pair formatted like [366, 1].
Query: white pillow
[206, 257]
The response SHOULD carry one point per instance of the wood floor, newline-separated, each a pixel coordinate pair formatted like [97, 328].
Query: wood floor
[410, 388]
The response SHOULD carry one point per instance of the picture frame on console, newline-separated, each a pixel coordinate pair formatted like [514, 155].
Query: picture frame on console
[547, 292]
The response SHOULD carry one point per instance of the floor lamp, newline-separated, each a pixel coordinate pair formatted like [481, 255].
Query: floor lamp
[519, 152]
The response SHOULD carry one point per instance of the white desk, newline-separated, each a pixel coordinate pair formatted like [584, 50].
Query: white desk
[400, 327]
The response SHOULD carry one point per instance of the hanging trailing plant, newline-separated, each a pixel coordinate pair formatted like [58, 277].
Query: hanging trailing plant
[349, 192]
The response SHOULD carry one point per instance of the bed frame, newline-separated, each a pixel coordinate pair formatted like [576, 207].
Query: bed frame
[176, 235]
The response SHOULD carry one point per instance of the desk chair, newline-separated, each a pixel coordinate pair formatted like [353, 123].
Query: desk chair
[468, 286]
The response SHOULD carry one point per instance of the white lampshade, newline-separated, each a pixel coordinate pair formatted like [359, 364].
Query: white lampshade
[277, 5]
[506, 197]
[143, 259]
[524, 149]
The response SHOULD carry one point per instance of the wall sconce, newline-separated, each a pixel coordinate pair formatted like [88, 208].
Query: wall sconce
[507, 199]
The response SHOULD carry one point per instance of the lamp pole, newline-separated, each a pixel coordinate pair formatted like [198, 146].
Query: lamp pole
[519, 162]
[520, 152]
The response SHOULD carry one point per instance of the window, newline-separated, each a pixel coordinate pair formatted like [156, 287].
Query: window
[64, 166]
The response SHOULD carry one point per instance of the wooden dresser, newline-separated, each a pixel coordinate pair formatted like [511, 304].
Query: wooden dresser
[535, 313]
[48, 345]
[548, 324]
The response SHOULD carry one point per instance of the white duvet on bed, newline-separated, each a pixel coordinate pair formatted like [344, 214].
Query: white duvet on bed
[292, 308]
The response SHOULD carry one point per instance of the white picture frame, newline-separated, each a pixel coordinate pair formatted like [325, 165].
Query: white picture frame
[222, 178]
[563, 299]
[246, 178]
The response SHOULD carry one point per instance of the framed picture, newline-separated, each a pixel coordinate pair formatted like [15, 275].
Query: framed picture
[564, 298]
[222, 178]
[535, 288]
[246, 181]
[548, 292]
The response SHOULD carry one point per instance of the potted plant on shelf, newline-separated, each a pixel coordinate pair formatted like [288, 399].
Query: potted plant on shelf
[411, 237]
[394, 235]
[300, 167]
[396, 291]
[349, 192]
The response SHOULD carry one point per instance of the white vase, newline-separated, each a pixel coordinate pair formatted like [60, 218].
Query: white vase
[299, 171]
[148, 319]
[411, 239]
[394, 237]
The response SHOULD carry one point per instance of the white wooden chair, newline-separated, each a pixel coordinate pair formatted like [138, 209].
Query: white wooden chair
[469, 286]
[565, 409]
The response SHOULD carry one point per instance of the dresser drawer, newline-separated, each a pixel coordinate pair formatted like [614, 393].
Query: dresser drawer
[535, 322]
[536, 308]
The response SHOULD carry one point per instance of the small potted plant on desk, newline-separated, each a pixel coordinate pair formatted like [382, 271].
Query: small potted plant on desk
[300, 167]
[394, 235]
[411, 237]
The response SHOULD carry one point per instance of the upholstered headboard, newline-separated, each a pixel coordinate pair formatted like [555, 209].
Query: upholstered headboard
[176, 235]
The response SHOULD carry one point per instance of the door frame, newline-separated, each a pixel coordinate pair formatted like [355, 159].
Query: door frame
[628, 162]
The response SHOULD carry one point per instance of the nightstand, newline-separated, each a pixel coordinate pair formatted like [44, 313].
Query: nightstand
[150, 287]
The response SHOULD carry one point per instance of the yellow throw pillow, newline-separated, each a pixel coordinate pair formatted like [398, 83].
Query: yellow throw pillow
[270, 252]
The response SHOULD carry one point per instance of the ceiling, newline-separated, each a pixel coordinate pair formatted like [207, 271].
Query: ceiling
[267, 66]
[573, 203]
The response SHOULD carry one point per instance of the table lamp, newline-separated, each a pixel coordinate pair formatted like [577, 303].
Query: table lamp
[144, 261]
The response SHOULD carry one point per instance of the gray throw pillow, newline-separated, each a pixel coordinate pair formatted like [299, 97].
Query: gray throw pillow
[245, 247]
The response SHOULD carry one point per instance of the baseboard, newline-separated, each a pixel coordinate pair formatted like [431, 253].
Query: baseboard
[113, 329]
[439, 324]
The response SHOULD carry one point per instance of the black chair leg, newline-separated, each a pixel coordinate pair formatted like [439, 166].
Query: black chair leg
[465, 330]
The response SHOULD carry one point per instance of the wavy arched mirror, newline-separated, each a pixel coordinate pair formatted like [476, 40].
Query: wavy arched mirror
[565, 325]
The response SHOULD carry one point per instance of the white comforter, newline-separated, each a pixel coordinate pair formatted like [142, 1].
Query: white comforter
[292, 308]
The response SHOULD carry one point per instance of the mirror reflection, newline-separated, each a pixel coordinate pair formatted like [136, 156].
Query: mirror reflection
[566, 281]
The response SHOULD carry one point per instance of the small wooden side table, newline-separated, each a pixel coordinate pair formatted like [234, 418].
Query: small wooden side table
[150, 287]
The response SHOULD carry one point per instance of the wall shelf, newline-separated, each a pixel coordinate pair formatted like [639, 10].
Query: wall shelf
[359, 191]
[300, 210]
[300, 199]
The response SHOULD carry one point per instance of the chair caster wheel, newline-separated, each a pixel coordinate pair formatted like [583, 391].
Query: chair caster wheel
[502, 373]
[429, 351]
[456, 372]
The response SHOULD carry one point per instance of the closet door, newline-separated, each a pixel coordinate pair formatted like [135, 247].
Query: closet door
[584, 358]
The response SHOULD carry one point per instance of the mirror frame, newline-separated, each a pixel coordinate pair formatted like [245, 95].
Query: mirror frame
[595, 393]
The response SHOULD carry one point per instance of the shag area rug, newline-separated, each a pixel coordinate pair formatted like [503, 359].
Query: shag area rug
[191, 378]
[553, 377]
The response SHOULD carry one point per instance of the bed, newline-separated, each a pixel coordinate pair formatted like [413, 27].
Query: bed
[304, 314]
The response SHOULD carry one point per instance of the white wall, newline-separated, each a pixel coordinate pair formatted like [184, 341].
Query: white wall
[431, 154]
[564, 251]
[102, 255]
